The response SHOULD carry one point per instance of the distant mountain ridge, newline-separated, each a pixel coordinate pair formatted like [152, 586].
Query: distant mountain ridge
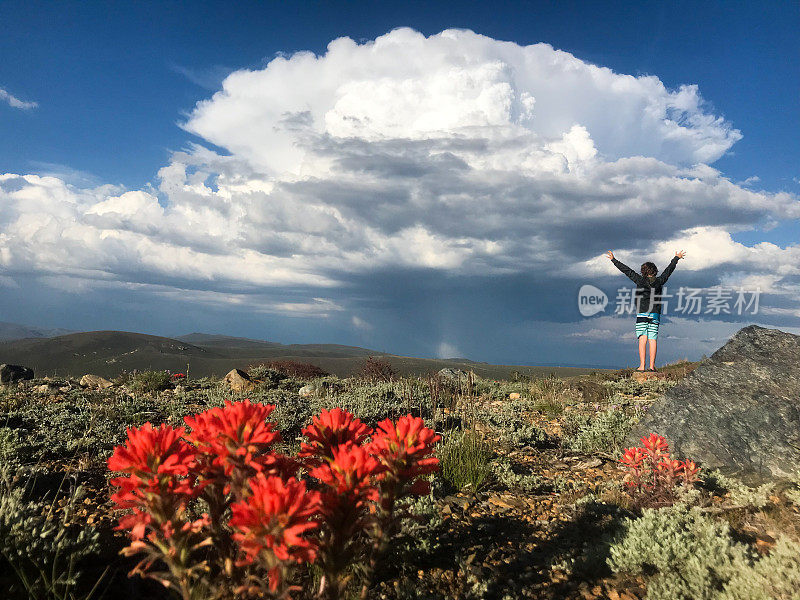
[108, 353]
[15, 331]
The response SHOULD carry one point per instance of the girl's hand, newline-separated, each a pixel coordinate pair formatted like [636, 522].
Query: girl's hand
[680, 254]
[610, 255]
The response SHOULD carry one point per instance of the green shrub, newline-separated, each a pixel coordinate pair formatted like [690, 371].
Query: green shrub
[605, 432]
[371, 402]
[291, 414]
[774, 577]
[266, 375]
[740, 494]
[13, 449]
[504, 473]
[593, 391]
[464, 459]
[44, 546]
[148, 382]
[418, 532]
[683, 554]
[631, 387]
[793, 492]
[513, 424]
[553, 391]
[549, 408]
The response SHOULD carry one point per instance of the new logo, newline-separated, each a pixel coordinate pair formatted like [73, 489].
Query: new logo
[591, 300]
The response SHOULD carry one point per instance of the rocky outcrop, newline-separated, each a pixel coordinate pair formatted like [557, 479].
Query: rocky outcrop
[456, 375]
[239, 381]
[95, 382]
[14, 374]
[739, 409]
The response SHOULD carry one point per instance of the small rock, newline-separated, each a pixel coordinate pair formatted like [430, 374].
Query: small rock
[42, 389]
[307, 391]
[14, 373]
[641, 376]
[589, 464]
[514, 396]
[95, 382]
[239, 381]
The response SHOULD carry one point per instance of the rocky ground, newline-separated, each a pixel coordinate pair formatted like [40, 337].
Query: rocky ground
[537, 525]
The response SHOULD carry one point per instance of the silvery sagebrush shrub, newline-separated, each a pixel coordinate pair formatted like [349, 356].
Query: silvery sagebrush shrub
[504, 473]
[740, 494]
[512, 423]
[417, 532]
[45, 544]
[13, 449]
[683, 554]
[371, 401]
[773, 577]
[793, 492]
[604, 432]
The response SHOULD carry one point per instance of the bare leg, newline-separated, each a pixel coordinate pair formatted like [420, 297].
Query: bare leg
[653, 347]
[642, 346]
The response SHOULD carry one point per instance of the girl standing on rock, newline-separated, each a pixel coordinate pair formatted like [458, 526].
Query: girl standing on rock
[648, 291]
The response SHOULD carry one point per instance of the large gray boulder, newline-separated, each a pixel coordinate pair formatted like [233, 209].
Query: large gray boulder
[739, 409]
[14, 373]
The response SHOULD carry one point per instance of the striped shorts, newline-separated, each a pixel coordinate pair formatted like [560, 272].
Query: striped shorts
[647, 324]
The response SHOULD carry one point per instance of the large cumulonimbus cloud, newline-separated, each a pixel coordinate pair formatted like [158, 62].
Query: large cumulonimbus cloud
[454, 152]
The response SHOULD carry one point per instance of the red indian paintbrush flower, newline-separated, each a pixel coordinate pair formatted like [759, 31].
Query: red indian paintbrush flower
[270, 525]
[331, 429]
[633, 458]
[690, 472]
[656, 447]
[236, 435]
[157, 462]
[404, 448]
[350, 472]
[150, 452]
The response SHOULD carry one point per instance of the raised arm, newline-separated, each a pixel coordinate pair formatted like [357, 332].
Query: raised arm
[662, 279]
[627, 271]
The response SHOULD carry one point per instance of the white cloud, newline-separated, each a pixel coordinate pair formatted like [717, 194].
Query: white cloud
[454, 153]
[15, 102]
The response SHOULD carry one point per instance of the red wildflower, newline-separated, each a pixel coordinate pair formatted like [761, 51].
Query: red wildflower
[690, 472]
[330, 430]
[405, 447]
[156, 487]
[270, 524]
[236, 435]
[350, 472]
[633, 457]
[656, 447]
[150, 452]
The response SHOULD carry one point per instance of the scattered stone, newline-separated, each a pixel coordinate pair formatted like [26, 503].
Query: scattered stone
[592, 463]
[514, 396]
[456, 375]
[42, 389]
[239, 381]
[739, 409]
[14, 373]
[307, 391]
[642, 376]
[95, 382]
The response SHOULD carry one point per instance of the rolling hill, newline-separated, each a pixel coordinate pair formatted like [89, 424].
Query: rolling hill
[108, 353]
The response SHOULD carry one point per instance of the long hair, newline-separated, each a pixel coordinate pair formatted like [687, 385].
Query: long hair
[649, 270]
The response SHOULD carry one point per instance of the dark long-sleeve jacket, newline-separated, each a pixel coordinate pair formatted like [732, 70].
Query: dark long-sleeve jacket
[648, 289]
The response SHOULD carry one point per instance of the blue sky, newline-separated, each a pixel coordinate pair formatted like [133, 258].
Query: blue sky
[117, 87]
